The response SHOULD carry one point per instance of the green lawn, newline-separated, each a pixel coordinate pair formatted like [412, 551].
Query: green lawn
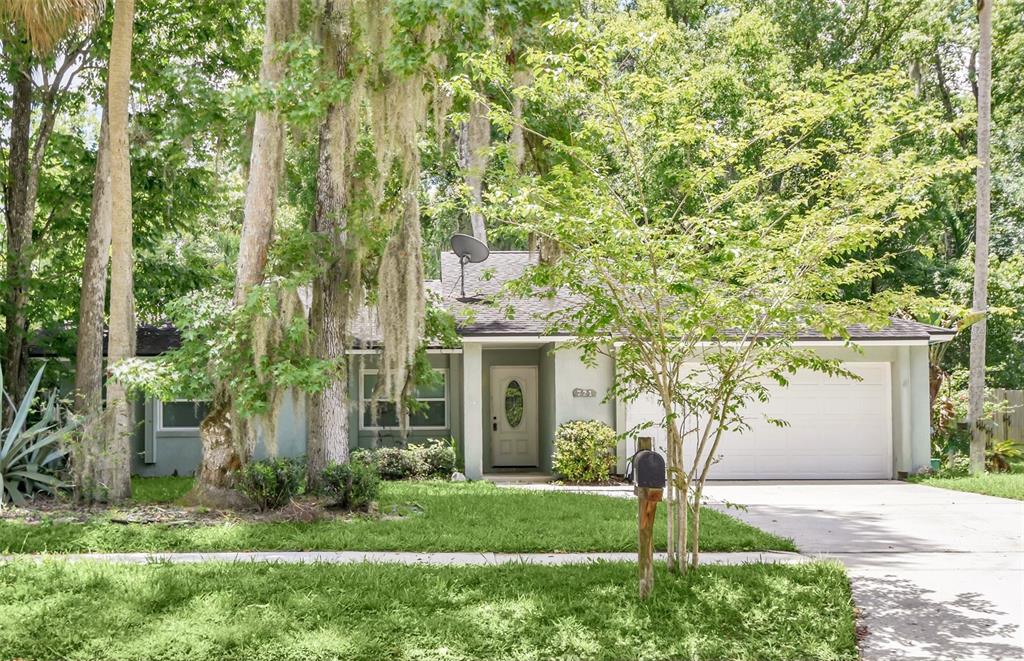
[1004, 485]
[432, 516]
[278, 612]
[157, 490]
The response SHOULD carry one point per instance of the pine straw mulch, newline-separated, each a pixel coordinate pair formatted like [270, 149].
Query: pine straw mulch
[299, 510]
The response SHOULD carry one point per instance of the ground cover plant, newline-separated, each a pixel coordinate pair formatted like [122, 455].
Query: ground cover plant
[411, 516]
[282, 612]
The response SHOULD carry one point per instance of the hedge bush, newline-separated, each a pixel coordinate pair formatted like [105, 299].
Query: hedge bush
[352, 486]
[434, 458]
[394, 463]
[271, 483]
[584, 451]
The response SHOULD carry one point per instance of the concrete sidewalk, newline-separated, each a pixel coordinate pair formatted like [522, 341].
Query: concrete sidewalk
[401, 558]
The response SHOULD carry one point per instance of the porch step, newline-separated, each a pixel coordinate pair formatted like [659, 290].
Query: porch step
[517, 478]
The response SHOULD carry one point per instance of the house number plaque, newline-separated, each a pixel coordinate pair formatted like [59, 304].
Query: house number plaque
[584, 392]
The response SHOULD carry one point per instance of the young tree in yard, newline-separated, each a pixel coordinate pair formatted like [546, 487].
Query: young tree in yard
[114, 474]
[707, 210]
[43, 34]
[983, 217]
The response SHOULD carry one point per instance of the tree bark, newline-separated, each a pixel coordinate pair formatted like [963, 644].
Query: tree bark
[267, 157]
[983, 214]
[89, 354]
[221, 458]
[474, 144]
[117, 456]
[19, 210]
[328, 440]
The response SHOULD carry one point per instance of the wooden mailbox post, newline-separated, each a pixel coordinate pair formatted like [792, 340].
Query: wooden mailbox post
[649, 478]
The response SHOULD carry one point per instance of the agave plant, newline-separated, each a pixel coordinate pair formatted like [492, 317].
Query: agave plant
[30, 455]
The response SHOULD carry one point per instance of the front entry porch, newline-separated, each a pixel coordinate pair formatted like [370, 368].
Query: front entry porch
[507, 413]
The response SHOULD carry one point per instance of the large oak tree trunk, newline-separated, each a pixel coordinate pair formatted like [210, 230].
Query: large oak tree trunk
[222, 454]
[89, 352]
[983, 214]
[20, 207]
[116, 459]
[328, 415]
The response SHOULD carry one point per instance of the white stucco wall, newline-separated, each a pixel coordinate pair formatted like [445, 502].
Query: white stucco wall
[572, 374]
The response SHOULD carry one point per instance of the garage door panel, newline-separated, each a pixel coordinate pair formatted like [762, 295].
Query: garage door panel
[838, 428]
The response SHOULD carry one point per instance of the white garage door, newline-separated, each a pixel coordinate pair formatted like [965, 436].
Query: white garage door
[838, 429]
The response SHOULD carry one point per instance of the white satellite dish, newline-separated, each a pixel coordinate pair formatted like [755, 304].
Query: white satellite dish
[469, 250]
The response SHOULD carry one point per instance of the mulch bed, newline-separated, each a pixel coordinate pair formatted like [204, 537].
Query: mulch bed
[302, 509]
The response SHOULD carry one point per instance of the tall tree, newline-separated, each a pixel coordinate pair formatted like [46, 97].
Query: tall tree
[267, 161]
[225, 448]
[34, 28]
[983, 216]
[89, 352]
[116, 461]
[335, 291]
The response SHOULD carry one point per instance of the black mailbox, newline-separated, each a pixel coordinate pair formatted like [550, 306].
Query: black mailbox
[649, 470]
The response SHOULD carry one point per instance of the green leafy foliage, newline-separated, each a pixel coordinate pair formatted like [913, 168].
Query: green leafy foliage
[1001, 455]
[394, 463]
[31, 455]
[584, 451]
[433, 459]
[271, 483]
[352, 486]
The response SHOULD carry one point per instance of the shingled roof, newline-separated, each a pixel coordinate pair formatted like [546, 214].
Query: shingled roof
[485, 280]
[483, 313]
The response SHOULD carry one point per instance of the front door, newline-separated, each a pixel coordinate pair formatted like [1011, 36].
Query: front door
[514, 416]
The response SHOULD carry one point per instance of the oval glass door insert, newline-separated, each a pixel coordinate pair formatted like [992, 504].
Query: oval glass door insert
[513, 404]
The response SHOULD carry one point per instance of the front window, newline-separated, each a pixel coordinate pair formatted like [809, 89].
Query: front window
[431, 411]
[180, 415]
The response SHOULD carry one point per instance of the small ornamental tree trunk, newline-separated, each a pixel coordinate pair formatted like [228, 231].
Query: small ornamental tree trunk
[116, 460]
[976, 386]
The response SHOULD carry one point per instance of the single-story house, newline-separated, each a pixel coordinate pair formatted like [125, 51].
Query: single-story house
[506, 390]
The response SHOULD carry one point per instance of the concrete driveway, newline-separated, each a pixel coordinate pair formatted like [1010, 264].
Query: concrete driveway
[936, 574]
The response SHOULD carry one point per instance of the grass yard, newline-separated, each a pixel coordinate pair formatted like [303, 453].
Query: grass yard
[254, 612]
[419, 516]
[1004, 485]
[159, 490]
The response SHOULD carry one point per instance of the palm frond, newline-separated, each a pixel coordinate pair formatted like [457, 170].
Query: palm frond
[46, 22]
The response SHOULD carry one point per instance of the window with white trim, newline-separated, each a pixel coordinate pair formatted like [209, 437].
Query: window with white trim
[430, 413]
[179, 414]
